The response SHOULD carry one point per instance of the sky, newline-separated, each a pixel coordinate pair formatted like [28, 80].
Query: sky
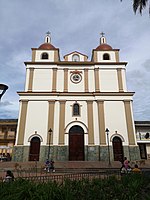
[75, 25]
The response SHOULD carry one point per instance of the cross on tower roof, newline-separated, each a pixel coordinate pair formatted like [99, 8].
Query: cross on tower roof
[102, 34]
[48, 33]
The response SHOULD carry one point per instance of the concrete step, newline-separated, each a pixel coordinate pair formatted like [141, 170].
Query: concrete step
[62, 165]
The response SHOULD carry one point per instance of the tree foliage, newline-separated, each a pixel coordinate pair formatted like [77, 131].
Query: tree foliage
[139, 5]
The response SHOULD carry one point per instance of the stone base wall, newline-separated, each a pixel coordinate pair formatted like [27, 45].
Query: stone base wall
[134, 153]
[61, 153]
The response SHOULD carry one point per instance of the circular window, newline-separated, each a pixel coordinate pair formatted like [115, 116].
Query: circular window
[76, 78]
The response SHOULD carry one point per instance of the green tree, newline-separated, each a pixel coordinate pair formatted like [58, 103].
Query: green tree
[139, 5]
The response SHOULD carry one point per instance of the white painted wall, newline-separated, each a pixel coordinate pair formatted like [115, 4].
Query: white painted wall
[115, 118]
[108, 80]
[42, 80]
[60, 80]
[36, 120]
[91, 80]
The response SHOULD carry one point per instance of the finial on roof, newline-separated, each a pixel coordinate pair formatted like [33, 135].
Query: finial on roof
[102, 33]
[102, 39]
[48, 33]
[48, 37]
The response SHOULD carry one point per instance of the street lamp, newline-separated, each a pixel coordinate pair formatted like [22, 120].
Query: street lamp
[107, 133]
[50, 132]
[3, 89]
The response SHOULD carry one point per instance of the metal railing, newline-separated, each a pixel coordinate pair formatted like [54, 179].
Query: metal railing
[73, 176]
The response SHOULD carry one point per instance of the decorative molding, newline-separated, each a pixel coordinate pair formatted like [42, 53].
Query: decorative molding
[31, 75]
[79, 123]
[54, 80]
[129, 123]
[35, 135]
[97, 86]
[22, 123]
[101, 119]
[117, 135]
[86, 80]
[90, 122]
[61, 122]
[120, 83]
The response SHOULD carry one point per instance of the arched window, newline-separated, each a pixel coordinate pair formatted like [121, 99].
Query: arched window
[76, 109]
[44, 56]
[106, 56]
[75, 58]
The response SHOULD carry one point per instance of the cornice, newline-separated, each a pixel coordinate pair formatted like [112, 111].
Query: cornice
[75, 63]
[76, 93]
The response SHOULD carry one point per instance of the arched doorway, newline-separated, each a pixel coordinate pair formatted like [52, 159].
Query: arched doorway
[117, 149]
[34, 149]
[76, 143]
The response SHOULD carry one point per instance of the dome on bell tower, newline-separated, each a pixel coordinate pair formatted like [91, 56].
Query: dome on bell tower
[103, 45]
[47, 44]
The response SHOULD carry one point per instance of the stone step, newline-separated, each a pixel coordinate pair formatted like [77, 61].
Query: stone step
[63, 165]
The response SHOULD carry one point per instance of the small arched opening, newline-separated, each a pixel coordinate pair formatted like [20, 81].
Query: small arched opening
[76, 109]
[44, 56]
[106, 56]
[75, 57]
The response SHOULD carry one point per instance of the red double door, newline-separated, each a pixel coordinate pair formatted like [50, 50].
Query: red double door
[34, 149]
[76, 143]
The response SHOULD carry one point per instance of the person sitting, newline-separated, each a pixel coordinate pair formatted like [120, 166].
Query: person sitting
[47, 165]
[123, 170]
[126, 162]
[9, 177]
[136, 169]
[52, 165]
[129, 169]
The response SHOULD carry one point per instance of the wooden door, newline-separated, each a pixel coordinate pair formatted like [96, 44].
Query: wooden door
[118, 149]
[34, 149]
[76, 143]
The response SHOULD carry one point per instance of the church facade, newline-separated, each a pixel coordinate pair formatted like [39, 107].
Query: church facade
[75, 109]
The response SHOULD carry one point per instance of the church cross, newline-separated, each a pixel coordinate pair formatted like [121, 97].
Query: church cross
[48, 33]
[102, 34]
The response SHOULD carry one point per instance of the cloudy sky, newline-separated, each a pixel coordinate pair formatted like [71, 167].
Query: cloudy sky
[74, 25]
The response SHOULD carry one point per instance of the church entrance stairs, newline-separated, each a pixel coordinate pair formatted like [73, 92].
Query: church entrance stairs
[37, 168]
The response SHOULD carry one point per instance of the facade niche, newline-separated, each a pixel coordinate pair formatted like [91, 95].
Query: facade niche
[76, 109]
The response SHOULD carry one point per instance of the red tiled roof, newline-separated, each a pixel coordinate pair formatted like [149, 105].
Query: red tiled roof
[47, 46]
[103, 47]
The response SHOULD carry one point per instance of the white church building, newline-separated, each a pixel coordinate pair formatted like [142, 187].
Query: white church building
[67, 106]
